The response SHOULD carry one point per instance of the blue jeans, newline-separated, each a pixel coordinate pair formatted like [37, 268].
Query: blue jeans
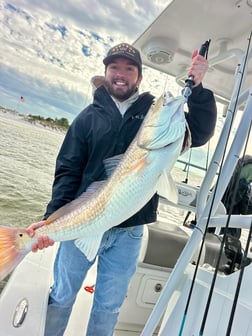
[117, 261]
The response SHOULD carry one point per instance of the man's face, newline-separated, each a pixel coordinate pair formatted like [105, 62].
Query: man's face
[121, 78]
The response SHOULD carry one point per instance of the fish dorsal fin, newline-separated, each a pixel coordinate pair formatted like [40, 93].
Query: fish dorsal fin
[71, 206]
[166, 187]
[111, 163]
[89, 246]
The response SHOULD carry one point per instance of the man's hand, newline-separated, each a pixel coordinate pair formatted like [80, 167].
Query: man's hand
[43, 241]
[198, 68]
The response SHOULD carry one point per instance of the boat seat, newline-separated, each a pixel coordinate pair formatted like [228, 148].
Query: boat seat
[164, 246]
[212, 250]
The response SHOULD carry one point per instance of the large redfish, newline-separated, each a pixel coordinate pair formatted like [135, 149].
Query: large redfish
[134, 178]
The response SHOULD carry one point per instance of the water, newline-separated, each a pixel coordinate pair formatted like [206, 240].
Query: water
[27, 160]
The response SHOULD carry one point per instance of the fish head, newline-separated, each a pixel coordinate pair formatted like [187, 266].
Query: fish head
[164, 123]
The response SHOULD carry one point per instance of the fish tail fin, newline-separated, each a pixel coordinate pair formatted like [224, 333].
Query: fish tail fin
[12, 251]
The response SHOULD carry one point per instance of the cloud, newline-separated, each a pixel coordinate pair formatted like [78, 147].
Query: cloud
[51, 49]
[48, 100]
[126, 18]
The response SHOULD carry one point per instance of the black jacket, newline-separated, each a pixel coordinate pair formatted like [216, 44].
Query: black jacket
[100, 131]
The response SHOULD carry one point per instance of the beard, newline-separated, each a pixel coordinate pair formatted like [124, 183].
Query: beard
[120, 94]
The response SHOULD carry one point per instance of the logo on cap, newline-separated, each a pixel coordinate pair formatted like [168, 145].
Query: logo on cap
[124, 50]
[123, 47]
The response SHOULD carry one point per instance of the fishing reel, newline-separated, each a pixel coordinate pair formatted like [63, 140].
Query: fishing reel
[189, 82]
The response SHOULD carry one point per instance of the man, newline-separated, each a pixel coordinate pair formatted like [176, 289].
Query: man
[104, 129]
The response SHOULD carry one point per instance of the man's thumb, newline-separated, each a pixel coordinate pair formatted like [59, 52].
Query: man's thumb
[195, 53]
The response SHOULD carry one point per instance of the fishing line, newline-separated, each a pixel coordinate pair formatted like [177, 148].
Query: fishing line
[206, 228]
[188, 167]
[208, 153]
[165, 83]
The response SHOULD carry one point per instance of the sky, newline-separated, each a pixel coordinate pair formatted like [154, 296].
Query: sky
[50, 49]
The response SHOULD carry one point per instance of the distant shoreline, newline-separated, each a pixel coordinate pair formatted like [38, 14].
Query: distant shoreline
[17, 116]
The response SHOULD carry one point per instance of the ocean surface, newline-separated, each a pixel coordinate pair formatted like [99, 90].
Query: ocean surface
[27, 160]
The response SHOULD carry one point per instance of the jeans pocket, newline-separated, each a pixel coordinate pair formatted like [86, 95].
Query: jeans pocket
[136, 232]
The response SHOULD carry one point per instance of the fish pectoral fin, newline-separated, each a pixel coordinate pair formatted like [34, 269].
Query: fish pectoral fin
[89, 246]
[111, 164]
[166, 187]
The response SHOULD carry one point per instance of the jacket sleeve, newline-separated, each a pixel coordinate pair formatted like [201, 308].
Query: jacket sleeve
[202, 115]
[70, 163]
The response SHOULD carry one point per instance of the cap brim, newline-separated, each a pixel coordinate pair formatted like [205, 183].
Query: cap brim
[109, 59]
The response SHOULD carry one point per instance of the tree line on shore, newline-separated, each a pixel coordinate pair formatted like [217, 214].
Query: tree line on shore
[61, 122]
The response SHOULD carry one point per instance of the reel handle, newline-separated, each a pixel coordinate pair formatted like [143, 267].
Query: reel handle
[189, 82]
[204, 48]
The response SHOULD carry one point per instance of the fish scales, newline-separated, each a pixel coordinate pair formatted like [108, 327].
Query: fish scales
[136, 178]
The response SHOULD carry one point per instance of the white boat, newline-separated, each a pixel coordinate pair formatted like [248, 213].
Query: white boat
[174, 291]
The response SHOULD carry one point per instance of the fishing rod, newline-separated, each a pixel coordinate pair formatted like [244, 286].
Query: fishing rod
[243, 264]
[189, 82]
[162, 301]
[217, 267]
[197, 234]
[186, 92]
[203, 239]
[228, 218]
[244, 261]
